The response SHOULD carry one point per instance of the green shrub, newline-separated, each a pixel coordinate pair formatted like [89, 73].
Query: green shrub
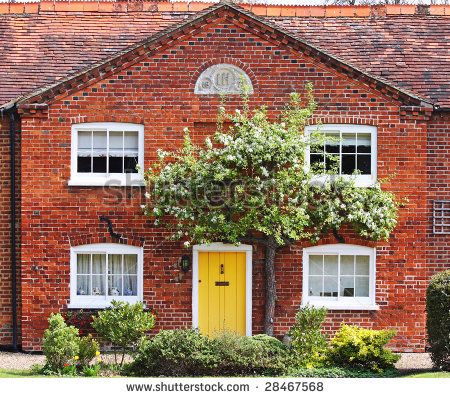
[175, 353]
[88, 350]
[123, 325]
[438, 319]
[308, 342]
[334, 372]
[61, 343]
[361, 348]
[250, 356]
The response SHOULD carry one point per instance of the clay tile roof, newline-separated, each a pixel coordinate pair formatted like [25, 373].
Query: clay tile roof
[406, 46]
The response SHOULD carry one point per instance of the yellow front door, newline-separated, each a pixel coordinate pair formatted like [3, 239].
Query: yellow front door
[221, 292]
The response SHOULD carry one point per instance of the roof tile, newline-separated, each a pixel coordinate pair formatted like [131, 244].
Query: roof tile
[40, 45]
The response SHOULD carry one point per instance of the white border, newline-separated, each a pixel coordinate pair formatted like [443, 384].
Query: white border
[223, 247]
[103, 301]
[360, 180]
[341, 303]
[106, 179]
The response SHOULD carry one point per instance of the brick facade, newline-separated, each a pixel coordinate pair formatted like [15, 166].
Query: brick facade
[157, 91]
[438, 255]
[154, 86]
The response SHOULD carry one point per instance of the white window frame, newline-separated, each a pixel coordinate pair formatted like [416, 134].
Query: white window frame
[340, 303]
[77, 301]
[360, 180]
[105, 179]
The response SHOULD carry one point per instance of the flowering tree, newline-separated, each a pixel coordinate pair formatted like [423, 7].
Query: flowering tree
[249, 183]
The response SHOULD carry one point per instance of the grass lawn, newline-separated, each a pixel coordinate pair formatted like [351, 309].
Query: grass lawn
[17, 373]
[427, 375]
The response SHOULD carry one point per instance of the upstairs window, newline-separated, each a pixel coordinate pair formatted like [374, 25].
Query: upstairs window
[339, 276]
[107, 154]
[104, 272]
[345, 149]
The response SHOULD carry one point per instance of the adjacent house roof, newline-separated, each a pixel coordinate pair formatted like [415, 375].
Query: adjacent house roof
[43, 43]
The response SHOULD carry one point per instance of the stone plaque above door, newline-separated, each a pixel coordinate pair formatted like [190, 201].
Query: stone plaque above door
[222, 79]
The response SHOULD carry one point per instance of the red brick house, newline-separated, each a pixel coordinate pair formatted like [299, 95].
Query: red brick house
[90, 89]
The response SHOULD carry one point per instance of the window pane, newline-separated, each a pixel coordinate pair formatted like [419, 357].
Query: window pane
[83, 285]
[130, 285]
[332, 163]
[84, 141]
[83, 266]
[364, 144]
[116, 164]
[315, 285]
[115, 285]
[348, 164]
[98, 263]
[131, 141]
[362, 286]
[84, 164]
[347, 265]
[332, 147]
[99, 164]
[330, 286]
[317, 162]
[99, 142]
[130, 264]
[330, 265]
[364, 164]
[315, 265]
[347, 286]
[116, 141]
[362, 265]
[98, 285]
[348, 143]
[332, 139]
[115, 264]
[130, 164]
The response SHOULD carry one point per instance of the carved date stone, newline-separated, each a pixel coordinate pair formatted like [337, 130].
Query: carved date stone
[222, 79]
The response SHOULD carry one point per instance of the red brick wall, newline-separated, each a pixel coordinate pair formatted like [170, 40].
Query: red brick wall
[158, 92]
[439, 187]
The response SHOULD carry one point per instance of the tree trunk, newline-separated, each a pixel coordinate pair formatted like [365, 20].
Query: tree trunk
[271, 292]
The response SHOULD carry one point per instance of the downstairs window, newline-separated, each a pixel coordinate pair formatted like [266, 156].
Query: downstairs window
[339, 276]
[100, 273]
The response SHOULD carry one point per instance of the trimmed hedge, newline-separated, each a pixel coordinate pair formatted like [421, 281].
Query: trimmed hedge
[438, 319]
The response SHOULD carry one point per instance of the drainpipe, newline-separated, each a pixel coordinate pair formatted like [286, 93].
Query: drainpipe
[11, 110]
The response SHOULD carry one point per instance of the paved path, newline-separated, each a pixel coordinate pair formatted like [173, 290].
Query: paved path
[413, 361]
[18, 360]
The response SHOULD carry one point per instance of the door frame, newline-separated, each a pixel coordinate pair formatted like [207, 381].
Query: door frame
[224, 247]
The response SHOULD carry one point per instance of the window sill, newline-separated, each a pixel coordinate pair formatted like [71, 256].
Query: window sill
[360, 180]
[106, 182]
[100, 304]
[330, 305]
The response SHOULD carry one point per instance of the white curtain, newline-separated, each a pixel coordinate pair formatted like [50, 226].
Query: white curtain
[130, 275]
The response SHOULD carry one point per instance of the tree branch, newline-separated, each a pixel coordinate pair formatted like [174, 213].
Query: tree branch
[338, 237]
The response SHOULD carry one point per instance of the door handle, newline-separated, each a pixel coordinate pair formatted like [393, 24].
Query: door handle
[222, 271]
